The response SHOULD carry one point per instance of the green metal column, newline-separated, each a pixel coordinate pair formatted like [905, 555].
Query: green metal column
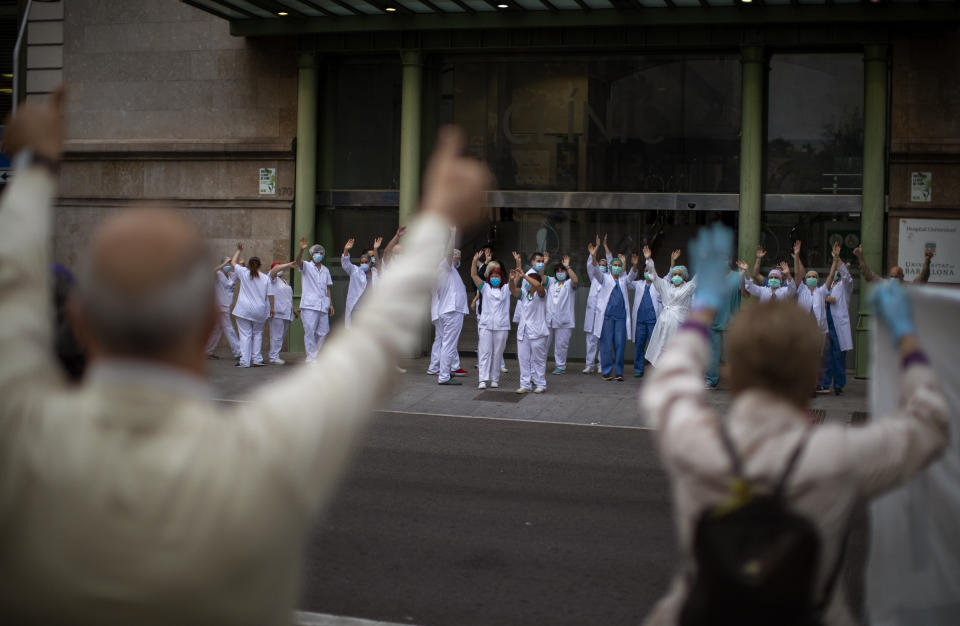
[304, 204]
[753, 81]
[410, 123]
[326, 149]
[874, 175]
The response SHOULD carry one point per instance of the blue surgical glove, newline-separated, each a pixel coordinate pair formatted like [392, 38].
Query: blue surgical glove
[892, 307]
[710, 255]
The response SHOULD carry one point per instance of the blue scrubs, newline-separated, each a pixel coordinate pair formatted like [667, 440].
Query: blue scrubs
[613, 335]
[836, 362]
[646, 321]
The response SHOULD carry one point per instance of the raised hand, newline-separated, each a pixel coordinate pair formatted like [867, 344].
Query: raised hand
[784, 267]
[709, 254]
[892, 306]
[487, 254]
[239, 246]
[622, 258]
[742, 266]
[858, 252]
[546, 258]
[454, 184]
[401, 231]
[674, 256]
[598, 241]
[38, 126]
[566, 261]
[647, 253]
[303, 243]
[635, 258]
[836, 250]
[377, 242]
[516, 257]
[761, 252]
[476, 257]
[796, 247]
[592, 248]
[347, 247]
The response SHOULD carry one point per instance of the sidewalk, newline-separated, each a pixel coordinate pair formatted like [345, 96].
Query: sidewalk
[573, 398]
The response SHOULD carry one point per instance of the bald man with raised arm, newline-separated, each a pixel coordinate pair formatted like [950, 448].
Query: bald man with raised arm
[133, 498]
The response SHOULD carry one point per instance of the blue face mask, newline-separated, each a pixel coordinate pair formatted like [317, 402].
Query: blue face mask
[603, 268]
[458, 265]
[317, 258]
[773, 283]
[373, 259]
[538, 267]
[615, 270]
[228, 268]
[836, 276]
[561, 276]
[647, 277]
[365, 267]
[811, 282]
[495, 281]
[677, 280]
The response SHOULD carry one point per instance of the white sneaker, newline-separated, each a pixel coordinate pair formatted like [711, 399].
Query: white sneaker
[401, 370]
[588, 369]
[482, 385]
[539, 390]
[494, 385]
[277, 362]
[523, 390]
[432, 373]
[503, 369]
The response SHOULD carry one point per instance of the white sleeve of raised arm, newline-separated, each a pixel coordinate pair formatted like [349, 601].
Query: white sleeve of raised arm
[304, 426]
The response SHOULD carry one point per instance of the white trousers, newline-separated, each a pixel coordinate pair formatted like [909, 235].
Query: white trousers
[592, 342]
[532, 354]
[224, 327]
[560, 338]
[434, 366]
[316, 327]
[450, 326]
[490, 354]
[278, 330]
[251, 341]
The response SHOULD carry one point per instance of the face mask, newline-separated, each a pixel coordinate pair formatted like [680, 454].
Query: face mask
[538, 267]
[773, 283]
[279, 274]
[317, 258]
[364, 267]
[561, 276]
[647, 277]
[458, 265]
[615, 270]
[228, 268]
[811, 282]
[495, 281]
[373, 259]
[603, 268]
[836, 276]
[676, 280]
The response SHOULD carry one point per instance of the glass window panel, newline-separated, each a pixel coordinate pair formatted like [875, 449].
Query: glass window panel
[815, 124]
[367, 139]
[630, 123]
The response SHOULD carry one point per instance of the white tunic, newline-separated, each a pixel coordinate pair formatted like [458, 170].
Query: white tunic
[607, 283]
[533, 313]
[638, 286]
[282, 299]
[224, 289]
[840, 311]
[496, 307]
[765, 293]
[450, 293]
[590, 315]
[561, 298]
[812, 301]
[316, 280]
[252, 302]
[358, 284]
[676, 307]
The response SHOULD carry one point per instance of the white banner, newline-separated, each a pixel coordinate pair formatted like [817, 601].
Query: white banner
[941, 235]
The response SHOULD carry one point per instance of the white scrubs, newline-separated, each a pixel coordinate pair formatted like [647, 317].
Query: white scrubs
[282, 315]
[314, 307]
[451, 307]
[494, 327]
[224, 293]
[532, 333]
[251, 311]
[765, 293]
[359, 281]
[561, 298]
[590, 316]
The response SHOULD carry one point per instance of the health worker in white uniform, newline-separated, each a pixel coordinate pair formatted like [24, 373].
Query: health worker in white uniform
[812, 298]
[316, 305]
[282, 310]
[226, 280]
[361, 276]
[451, 306]
[561, 315]
[252, 309]
[494, 325]
[532, 329]
[591, 316]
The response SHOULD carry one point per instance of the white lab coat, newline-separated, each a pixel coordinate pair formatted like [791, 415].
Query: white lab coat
[842, 291]
[358, 285]
[783, 292]
[676, 307]
[496, 307]
[812, 301]
[533, 312]
[638, 287]
[282, 299]
[607, 283]
[590, 315]
[450, 293]
[252, 302]
[224, 289]
[316, 280]
[561, 298]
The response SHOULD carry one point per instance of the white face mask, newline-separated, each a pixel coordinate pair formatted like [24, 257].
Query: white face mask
[280, 274]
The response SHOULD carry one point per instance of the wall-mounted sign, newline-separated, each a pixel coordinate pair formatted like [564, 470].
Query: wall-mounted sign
[941, 236]
[921, 185]
[268, 181]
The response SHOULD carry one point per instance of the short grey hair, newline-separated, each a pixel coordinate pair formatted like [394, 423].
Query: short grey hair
[317, 249]
[147, 323]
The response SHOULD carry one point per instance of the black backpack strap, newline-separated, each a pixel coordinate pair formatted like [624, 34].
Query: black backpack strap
[834, 575]
[792, 463]
[728, 446]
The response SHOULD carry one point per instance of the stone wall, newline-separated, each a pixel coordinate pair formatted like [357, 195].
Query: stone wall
[924, 125]
[165, 107]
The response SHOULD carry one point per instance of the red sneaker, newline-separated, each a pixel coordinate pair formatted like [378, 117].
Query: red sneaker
[460, 372]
